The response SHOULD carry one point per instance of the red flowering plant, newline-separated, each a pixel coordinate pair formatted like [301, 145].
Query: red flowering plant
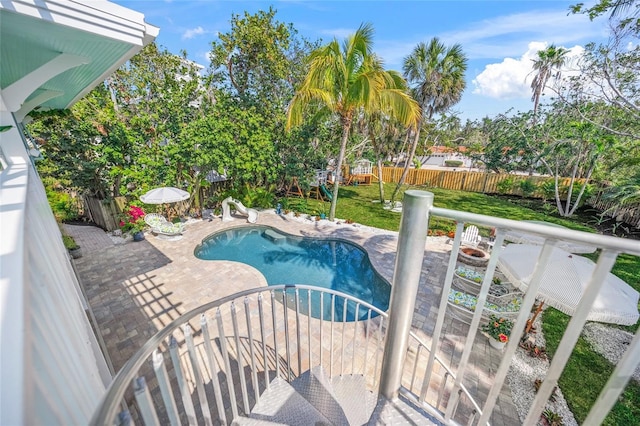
[133, 220]
[498, 328]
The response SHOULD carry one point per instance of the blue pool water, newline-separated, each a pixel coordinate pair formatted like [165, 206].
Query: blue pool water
[288, 259]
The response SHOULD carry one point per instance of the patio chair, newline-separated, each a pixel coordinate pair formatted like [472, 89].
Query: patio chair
[160, 225]
[471, 236]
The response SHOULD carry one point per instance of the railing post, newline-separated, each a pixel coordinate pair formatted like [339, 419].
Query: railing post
[406, 278]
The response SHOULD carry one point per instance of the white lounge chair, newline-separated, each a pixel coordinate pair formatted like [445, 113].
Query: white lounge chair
[471, 236]
[160, 225]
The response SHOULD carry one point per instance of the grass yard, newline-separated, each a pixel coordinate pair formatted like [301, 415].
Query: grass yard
[586, 372]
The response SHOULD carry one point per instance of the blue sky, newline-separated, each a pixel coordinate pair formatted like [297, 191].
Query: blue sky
[500, 38]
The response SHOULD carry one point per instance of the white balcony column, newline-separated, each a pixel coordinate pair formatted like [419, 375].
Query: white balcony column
[406, 279]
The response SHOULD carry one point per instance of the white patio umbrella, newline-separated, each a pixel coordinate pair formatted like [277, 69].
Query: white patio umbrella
[564, 281]
[164, 195]
[524, 238]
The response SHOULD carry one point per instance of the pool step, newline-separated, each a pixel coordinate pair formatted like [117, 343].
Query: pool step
[274, 236]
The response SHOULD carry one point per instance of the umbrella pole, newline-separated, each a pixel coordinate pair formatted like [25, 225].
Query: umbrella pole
[531, 320]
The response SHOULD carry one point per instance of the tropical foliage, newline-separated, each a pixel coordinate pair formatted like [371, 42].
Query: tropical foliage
[273, 106]
[349, 80]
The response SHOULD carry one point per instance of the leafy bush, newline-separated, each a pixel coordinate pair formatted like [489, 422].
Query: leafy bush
[62, 204]
[527, 187]
[453, 163]
[505, 185]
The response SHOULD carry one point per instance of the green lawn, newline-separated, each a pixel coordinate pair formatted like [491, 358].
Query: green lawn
[586, 372]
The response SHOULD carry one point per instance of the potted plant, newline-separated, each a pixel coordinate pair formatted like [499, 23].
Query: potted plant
[133, 223]
[498, 330]
[71, 245]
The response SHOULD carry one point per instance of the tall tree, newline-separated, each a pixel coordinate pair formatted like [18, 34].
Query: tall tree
[435, 74]
[546, 65]
[347, 80]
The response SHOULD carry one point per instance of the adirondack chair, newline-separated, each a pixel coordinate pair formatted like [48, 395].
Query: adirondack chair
[471, 237]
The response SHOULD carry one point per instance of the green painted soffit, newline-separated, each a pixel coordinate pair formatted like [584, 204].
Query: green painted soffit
[27, 43]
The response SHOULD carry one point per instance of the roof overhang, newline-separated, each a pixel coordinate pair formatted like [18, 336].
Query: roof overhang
[53, 52]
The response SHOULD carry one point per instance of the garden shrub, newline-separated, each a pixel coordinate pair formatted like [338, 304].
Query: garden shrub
[505, 185]
[453, 163]
[527, 187]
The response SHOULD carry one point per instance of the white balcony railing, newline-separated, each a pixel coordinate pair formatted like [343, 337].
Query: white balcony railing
[224, 355]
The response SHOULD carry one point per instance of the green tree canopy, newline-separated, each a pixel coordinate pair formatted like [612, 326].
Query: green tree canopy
[348, 79]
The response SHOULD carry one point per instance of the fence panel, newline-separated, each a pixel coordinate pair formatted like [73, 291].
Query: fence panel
[104, 213]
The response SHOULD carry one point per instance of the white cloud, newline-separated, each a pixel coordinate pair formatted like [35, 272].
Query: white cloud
[507, 36]
[193, 32]
[511, 78]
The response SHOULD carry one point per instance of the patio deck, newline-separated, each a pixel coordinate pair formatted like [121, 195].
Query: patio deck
[137, 288]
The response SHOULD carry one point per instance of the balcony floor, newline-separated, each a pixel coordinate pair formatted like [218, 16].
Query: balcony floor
[137, 288]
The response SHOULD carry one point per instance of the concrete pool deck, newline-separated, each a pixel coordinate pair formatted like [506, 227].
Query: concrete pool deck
[137, 288]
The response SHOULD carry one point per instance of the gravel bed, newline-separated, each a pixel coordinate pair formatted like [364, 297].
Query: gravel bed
[523, 372]
[610, 342]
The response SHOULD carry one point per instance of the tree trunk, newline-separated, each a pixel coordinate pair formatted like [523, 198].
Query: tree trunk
[380, 183]
[407, 164]
[346, 125]
[404, 145]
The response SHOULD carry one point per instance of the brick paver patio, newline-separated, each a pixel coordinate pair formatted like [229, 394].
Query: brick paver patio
[137, 288]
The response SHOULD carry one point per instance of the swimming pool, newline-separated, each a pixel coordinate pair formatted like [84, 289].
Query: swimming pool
[287, 259]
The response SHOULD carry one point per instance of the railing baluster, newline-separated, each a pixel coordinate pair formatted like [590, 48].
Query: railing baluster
[243, 379]
[355, 334]
[165, 387]
[197, 375]
[415, 368]
[321, 326]
[606, 260]
[286, 333]
[375, 369]
[185, 392]
[366, 341]
[442, 309]
[298, 331]
[309, 328]
[227, 364]
[616, 383]
[333, 312]
[213, 367]
[254, 373]
[265, 359]
[275, 332]
[442, 388]
[474, 413]
[344, 326]
[145, 404]
[463, 364]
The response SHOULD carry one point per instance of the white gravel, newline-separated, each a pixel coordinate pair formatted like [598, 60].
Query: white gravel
[523, 372]
[610, 342]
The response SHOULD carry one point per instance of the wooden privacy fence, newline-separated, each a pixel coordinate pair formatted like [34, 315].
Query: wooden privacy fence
[104, 213]
[464, 180]
[630, 214]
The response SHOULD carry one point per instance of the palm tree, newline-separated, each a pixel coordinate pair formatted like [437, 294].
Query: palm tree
[435, 74]
[348, 80]
[549, 60]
